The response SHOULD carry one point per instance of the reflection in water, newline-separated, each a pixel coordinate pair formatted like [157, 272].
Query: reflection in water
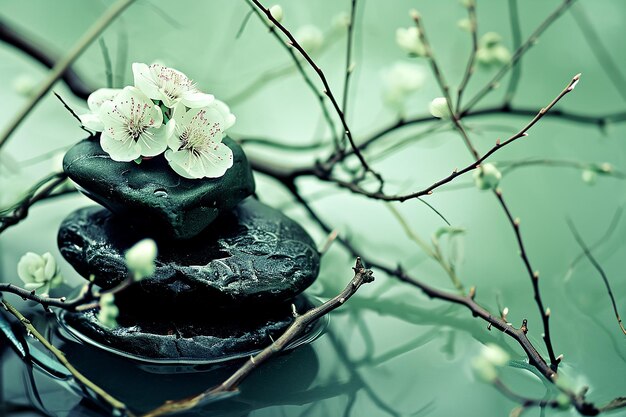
[288, 380]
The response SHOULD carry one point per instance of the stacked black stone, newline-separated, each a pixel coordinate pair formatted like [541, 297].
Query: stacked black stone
[228, 270]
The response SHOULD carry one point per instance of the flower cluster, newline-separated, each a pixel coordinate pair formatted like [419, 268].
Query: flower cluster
[163, 112]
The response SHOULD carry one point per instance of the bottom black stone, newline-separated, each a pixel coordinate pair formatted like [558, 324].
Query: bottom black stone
[187, 339]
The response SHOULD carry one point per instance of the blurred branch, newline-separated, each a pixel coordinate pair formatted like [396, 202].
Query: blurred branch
[356, 188]
[299, 325]
[294, 57]
[596, 46]
[62, 65]
[327, 90]
[516, 32]
[26, 43]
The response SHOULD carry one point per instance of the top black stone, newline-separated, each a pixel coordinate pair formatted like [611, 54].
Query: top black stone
[152, 195]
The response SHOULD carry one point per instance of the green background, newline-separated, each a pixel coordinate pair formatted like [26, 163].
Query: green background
[433, 375]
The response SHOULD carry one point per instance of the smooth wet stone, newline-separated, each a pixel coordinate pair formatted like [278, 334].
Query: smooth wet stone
[152, 195]
[254, 254]
[208, 337]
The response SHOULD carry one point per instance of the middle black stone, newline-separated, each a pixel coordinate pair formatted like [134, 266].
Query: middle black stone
[253, 254]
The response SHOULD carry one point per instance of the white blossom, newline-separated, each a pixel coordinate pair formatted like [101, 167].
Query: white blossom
[408, 39]
[108, 311]
[39, 272]
[94, 102]
[196, 148]
[495, 354]
[490, 50]
[310, 38]
[132, 126]
[400, 80]
[487, 177]
[169, 85]
[439, 108]
[485, 366]
[140, 259]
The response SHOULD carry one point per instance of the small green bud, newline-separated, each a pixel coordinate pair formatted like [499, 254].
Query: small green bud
[589, 176]
[439, 108]
[108, 311]
[140, 259]
[487, 177]
[277, 12]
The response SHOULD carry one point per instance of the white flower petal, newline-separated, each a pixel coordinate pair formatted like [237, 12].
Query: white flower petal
[50, 268]
[98, 97]
[92, 121]
[215, 162]
[179, 162]
[154, 141]
[145, 80]
[197, 99]
[229, 118]
[120, 150]
[33, 285]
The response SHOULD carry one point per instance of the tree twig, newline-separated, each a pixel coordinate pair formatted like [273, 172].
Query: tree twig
[62, 65]
[598, 268]
[80, 378]
[517, 55]
[299, 325]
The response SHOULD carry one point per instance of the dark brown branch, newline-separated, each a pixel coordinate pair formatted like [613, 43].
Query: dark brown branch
[300, 324]
[598, 268]
[468, 301]
[86, 296]
[356, 188]
[534, 278]
[443, 85]
[305, 76]
[327, 90]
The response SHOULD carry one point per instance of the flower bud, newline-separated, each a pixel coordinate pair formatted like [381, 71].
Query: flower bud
[140, 259]
[487, 177]
[400, 80]
[439, 108]
[494, 354]
[277, 12]
[408, 39]
[310, 38]
[108, 311]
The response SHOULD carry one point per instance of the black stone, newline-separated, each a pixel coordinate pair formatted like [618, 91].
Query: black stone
[187, 338]
[253, 254]
[152, 195]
